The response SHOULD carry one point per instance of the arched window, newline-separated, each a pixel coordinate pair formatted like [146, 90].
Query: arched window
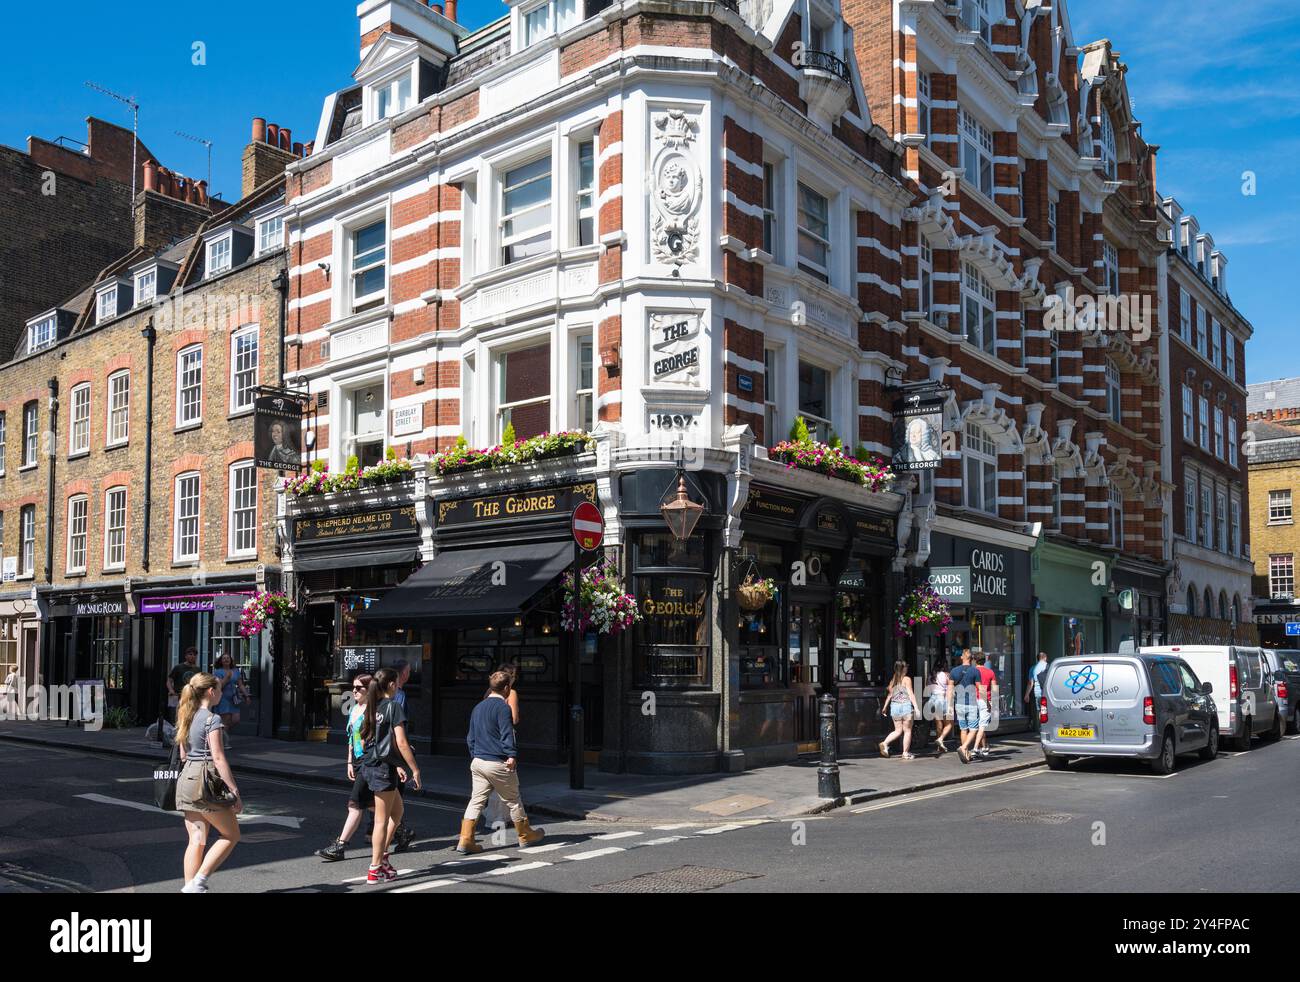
[1208, 609]
[1223, 606]
[1191, 600]
[980, 469]
[1236, 608]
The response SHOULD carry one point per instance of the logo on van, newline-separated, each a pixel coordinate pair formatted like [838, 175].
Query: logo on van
[1084, 678]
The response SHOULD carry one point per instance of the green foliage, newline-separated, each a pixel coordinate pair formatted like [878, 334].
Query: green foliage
[461, 442]
[390, 453]
[120, 718]
[799, 431]
[508, 438]
[319, 466]
[836, 442]
[353, 466]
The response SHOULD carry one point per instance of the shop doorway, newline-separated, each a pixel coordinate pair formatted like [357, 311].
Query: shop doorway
[810, 654]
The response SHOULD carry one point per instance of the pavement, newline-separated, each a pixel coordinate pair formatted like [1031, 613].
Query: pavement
[766, 793]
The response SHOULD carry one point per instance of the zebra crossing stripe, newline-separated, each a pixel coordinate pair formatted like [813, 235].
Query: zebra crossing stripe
[595, 853]
[717, 829]
[516, 868]
[608, 836]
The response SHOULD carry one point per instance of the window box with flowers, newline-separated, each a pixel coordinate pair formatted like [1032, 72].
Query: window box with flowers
[801, 452]
[546, 446]
[319, 480]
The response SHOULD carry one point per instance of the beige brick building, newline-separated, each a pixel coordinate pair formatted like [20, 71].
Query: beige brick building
[1273, 455]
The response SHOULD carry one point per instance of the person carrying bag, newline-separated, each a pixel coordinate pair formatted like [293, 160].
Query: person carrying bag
[164, 782]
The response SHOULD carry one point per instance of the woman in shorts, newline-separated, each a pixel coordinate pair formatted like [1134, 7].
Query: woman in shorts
[901, 707]
[383, 739]
[361, 798]
[939, 710]
[199, 735]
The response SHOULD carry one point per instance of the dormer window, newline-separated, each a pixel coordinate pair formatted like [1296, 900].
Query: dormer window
[545, 19]
[42, 333]
[146, 285]
[270, 234]
[106, 305]
[393, 97]
[219, 255]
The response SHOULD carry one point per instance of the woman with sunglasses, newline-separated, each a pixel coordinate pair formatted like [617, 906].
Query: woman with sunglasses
[362, 797]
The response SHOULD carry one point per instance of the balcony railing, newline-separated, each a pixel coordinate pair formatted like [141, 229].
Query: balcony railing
[824, 61]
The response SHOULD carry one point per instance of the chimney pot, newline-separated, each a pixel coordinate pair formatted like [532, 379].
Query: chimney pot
[273, 134]
[306, 150]
[297, 149]
[451, 10]
[150, 176]
[259, 129]
[437, 7]
[286, 138]
[201, 193]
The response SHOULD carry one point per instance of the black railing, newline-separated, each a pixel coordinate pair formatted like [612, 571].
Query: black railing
[824, 61]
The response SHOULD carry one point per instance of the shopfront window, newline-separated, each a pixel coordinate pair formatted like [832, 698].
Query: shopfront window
[671, 582]
[760, 629]
[108, 652]
[853, 608]
[533, 642]
[226, 639]
[8, 646]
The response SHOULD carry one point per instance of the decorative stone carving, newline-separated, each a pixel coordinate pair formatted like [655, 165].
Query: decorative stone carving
[677, 189]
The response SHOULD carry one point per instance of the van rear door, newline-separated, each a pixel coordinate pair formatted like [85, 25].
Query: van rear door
[1211, 665]
[1122, 692]
[1074, 706]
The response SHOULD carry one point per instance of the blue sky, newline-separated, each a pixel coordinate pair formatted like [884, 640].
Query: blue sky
[1215, 85]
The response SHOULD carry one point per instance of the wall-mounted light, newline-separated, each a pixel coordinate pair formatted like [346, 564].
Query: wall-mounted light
[325, 267]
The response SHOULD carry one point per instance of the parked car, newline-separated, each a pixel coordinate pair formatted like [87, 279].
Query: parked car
[1285, 666]
[1152, 707]
[1246, 700]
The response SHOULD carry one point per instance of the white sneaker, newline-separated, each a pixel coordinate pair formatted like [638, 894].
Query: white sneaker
[193, 887]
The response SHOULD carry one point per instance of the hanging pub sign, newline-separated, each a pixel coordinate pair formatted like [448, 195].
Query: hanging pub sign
[277, 432]
[918, 432]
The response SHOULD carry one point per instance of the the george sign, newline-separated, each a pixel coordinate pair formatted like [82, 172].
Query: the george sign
[952, 583]
[918, 432]
[675, 348]
[384, 521]
[277, 431]
[228, 608]
[588, 526]
[515, 505]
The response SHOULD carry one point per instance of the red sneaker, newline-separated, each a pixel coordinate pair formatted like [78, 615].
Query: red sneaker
[381, 874]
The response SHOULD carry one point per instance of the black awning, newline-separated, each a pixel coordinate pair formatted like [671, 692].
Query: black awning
[473, 586]
[307, 562]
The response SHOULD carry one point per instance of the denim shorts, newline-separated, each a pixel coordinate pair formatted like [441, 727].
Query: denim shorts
[900, 710]
[986, 717]
[967, 715]
[380, 778]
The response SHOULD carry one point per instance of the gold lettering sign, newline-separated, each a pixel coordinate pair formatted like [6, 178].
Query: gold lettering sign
[361, 523]
[525, 504]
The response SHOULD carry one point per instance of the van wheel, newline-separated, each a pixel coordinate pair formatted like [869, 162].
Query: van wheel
[1211, 749]
[1242, 743]
[1164, 764]
[1055, 762]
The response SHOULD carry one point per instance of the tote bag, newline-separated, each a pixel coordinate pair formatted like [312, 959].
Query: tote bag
[164, 781]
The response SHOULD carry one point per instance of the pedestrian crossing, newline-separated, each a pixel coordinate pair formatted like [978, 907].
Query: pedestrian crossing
[581, 849]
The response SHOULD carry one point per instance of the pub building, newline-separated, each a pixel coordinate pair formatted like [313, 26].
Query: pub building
[697, 686]
[986, 581]
[88, 636]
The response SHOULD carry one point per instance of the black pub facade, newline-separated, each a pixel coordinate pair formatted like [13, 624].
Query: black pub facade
[457, 575]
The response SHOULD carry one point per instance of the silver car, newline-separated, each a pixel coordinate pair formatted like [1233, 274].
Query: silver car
[1152, 707]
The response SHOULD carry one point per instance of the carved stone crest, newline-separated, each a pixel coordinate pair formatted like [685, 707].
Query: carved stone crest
[677, 189]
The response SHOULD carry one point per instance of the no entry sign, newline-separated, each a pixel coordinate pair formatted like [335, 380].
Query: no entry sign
[588, 526]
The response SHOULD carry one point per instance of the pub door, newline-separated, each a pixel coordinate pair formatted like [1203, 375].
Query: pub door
[811, 654]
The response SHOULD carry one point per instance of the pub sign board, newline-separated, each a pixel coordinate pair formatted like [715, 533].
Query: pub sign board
[277, 432]
[383, 521]
[918, 433]
[531, 504]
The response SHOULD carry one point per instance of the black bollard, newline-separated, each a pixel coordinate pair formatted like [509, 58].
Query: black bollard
[828, 772]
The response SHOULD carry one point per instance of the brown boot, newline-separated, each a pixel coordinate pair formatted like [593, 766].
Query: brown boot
[527, 834]
[467, 844]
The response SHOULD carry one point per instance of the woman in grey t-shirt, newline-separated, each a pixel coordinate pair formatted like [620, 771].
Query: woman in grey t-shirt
[199, 734]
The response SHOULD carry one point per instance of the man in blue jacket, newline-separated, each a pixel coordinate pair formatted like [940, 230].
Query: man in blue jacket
[492, 752]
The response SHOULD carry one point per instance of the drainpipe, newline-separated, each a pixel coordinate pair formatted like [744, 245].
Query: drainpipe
[53, 386]
[281, 284]
[151, 337]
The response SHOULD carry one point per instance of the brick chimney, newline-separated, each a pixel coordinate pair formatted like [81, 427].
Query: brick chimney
[264, 159]
[161, 218]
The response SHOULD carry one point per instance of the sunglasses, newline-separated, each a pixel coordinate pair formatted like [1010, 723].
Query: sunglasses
[358, 688]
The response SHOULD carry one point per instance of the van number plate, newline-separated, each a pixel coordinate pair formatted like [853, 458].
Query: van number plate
[1075, 732]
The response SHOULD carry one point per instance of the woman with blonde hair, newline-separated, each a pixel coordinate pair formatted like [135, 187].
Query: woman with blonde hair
[206, 791]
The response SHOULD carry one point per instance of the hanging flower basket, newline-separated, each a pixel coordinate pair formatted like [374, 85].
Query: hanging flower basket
[755, 594]
[921, 605]
[606, 609]
[262, 609]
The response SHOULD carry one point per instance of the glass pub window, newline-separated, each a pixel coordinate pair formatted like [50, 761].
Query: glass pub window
[759, 631]
[673, 639]
[107, 651]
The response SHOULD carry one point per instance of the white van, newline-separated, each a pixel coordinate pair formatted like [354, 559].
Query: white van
[1243, 689]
